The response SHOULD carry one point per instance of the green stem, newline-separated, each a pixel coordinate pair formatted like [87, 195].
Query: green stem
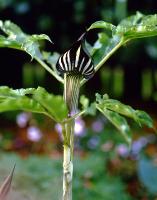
[68, 161]
[75, 116]
[49, 70]
[67, 174]
[71, 96]
[106, 57]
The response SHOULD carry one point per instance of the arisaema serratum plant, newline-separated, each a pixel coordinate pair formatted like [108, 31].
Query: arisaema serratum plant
[73, 69]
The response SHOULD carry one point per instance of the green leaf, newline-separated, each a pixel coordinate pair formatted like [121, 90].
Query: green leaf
[118, 121]
[53, 104]
[89, 109]
[8, 92]
[15, 38]
[36, 37]
[33, 100]
[119, 107]
[84, 102]
[102, 24]
[108, 42]
[141, 117]
[104, 46]
[18, 100]
[137, 26]
[100, 99]
[144, 118]
[112, 108]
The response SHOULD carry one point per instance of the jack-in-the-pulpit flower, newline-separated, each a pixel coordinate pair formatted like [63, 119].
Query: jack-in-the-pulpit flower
[75, 64]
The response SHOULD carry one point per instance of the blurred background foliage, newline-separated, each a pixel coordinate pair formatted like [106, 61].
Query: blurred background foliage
[105, 167]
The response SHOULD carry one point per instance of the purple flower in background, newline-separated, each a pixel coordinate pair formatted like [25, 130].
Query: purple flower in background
[34, 134]
[93, 142]
[137, 145]
[97, 126]
[58, 128]
[79, 128]
[22, 119]
[122, 150]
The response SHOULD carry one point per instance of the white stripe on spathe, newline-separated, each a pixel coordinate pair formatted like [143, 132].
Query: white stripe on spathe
[77, 56]
[64, 62]
[91, 68]
[86, 66]
[60, 63]
[69, 61]
[81, 64]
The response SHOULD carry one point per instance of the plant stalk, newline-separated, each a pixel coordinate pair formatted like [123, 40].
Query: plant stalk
[67, 168]
[71, 96]
[47, 68]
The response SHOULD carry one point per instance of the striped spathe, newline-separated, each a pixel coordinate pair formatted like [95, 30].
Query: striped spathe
[76, 60]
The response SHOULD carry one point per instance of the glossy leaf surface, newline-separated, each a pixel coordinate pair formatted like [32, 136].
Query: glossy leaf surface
[113, 111]
[15, 38]
[33, 100]
[112, 37]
